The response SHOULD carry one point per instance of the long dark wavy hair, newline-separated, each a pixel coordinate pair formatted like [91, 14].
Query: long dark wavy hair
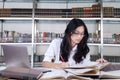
[82, 48]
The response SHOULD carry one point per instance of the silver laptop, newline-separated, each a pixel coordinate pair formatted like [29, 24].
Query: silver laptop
[16, 56]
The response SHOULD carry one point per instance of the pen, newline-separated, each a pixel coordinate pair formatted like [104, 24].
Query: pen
[62, 58]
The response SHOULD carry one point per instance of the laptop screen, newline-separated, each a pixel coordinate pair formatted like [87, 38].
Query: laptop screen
[16, 56]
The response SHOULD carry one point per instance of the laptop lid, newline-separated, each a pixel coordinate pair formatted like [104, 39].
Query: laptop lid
[16, 56]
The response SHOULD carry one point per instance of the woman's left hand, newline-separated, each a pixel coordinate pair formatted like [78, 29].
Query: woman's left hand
[101, 60]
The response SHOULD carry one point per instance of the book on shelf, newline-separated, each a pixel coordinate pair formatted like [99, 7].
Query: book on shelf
[117, 12]
[96, 10]
[77, 12]
[13, 37]
[108, 12]
[21, 12]
[48, 13]
[66, 13]
[5, 12]
[87, 12]
[74, 12]
[21, 73]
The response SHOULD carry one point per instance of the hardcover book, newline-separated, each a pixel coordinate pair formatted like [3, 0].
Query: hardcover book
[21, 73]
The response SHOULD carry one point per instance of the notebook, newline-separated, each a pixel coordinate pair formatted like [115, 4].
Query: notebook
[17, 56]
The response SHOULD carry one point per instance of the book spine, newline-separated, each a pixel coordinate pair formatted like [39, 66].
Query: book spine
[21, 12]
[5, 12]
[80, 11]
[96, 10]
[116, 12]
[77, 12]
[87, 12]
[108, 12]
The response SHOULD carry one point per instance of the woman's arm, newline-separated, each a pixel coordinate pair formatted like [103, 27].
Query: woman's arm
[48, 64]
[53, 53]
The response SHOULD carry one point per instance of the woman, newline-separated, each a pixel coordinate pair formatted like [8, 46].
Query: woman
[71, 50]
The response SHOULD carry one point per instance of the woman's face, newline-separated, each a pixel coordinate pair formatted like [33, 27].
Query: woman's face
[77, 35]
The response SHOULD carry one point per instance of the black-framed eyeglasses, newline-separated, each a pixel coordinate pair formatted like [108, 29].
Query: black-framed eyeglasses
[76, 33]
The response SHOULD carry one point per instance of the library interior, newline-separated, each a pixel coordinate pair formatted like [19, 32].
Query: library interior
[35, 51]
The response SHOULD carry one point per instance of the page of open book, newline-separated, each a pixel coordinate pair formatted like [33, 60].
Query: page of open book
[62, 75]
[54, 73]
[83, 72]
[89, 65]
[92, 63]
[110, 74]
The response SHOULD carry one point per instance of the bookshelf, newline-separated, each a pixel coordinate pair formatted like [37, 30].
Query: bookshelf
[111, 32]
[105, 13]
[44, 20]
[16, 27]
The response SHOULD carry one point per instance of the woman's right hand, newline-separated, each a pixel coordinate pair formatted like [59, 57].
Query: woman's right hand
[61, 65]
[64, 64]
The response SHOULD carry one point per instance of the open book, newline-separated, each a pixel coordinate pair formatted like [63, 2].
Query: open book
[75, 72]
[102, 74]
[110, 74]
[21, 73]
[90, 70]
[71, 77]
[57, 74]
[90, 65]
[83, 72]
